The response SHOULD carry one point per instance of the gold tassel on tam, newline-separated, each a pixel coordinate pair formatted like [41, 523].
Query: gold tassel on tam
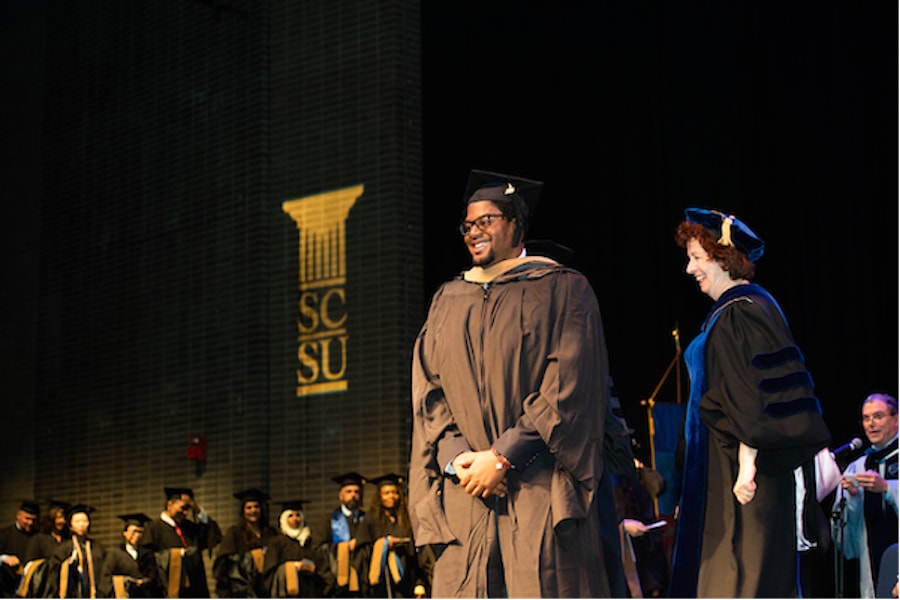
[725, 240]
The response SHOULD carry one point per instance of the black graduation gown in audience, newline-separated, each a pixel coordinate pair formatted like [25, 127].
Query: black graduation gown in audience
[141, 576]
[370, 533]
[37, 563]
[359, 558]
[282, 553]
[70, 569]
[161, 538]
[13, 541]
[236, 571]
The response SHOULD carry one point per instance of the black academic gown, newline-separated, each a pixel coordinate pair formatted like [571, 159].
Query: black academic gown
[327, 536]
[13, 541]
[140, 575]
[381, 578]
[281, 553]
[40, 548]
[880, 516]
[161, 539]
[238, 568]
[70, 573]
[749, 384]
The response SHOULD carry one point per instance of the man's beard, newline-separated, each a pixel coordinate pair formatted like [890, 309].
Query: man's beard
[484, 260]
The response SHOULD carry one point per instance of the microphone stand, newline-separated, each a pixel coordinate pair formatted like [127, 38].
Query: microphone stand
[651, 401]
[839, 520]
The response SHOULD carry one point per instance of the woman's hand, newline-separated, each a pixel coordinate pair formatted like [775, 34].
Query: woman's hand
[745, 486]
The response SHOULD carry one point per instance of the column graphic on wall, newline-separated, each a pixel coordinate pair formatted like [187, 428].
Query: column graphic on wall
[322, 276]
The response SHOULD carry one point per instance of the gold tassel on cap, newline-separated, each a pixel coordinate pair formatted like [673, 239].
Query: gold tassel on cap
[725, 240]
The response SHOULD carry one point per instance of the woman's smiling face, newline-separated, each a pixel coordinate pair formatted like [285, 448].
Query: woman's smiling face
[712, 279]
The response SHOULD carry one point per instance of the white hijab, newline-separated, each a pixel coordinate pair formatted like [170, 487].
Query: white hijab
[300, 534]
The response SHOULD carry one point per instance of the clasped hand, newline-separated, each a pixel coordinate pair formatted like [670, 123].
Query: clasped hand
[745, 485]
[478, 474]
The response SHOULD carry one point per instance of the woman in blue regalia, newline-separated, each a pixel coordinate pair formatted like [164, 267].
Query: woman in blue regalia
[752, 428]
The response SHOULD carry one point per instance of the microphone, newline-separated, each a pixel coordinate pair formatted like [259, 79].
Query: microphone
[851, 446]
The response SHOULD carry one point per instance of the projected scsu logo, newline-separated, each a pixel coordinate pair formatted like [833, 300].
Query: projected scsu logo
[321, 325]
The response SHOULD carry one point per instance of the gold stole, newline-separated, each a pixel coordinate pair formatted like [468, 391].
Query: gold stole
[92, 582]
[64, 570]
[291, 579]
[63, 579]
[119, 586]
[378, 550]
[259, 557]
[30, 568]
[346, 574]
[174, 588]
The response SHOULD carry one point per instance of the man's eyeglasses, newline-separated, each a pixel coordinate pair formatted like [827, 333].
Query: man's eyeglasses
[482, 223]
[879, 416]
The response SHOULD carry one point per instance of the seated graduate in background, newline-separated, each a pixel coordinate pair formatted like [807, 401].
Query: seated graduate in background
[178, 538]
[238, 568]
[293, 562]
[394, 570]
[52, 530]
[76, 567]
[129, 571]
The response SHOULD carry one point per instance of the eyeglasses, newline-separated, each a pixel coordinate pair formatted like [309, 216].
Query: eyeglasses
[482, 223]
[879, 416]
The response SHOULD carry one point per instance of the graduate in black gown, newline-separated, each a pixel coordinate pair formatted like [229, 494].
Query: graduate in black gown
[347, 561]
[14, 540]
[52, 530]
[129, 571]
[239, 565]
[293, 564]
[394, 570]
[177, 539]
[76, 566]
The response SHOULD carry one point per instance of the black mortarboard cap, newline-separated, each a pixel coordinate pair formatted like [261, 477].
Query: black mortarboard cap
[499, 187]
[30, 506]
[58, 504]
[389, 478]
[175, 493]
[78, 508]
[293, 505]
[252, 494]
[134, 519]
[729, 230]
[349, 479]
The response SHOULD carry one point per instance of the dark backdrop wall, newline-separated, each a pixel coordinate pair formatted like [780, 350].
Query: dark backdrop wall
[784, 114]
[153, 284]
